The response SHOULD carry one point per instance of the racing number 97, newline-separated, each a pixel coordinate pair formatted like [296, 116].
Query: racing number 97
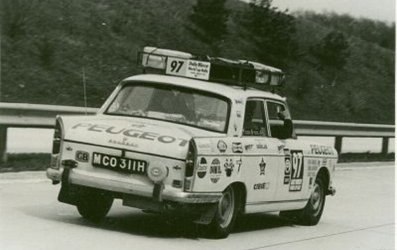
[297, 165]
[176, 66]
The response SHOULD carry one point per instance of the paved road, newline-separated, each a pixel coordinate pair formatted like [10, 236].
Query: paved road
[360, 216]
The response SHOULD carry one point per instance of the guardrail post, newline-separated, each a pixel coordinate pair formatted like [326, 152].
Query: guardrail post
[3, 144]
[338, 144]
[385, 145]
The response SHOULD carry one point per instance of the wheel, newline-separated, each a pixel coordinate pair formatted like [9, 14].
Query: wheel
[311, 213]
[94, 205]
[225, 214]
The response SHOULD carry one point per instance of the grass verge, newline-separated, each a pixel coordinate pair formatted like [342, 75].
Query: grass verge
[365, 157]
[25, 162]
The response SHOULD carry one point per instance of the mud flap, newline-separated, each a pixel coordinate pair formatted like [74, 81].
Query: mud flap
[207, 214]
[158, 192]
[68, 193]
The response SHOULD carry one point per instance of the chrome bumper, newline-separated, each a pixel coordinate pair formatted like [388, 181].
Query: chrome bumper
[111, 183]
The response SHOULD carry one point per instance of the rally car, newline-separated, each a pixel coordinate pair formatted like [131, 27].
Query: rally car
[197, 135]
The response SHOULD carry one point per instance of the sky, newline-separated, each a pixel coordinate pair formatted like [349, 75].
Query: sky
[383, 10]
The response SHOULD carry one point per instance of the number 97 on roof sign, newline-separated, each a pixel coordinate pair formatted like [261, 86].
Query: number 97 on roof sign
[188, 68]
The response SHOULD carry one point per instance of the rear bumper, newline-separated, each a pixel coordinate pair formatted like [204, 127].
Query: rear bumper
[127, 186]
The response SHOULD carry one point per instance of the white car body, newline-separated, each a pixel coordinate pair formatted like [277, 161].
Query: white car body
[273, 174]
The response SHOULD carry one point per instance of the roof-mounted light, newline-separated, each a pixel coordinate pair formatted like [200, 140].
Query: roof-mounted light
[156, 58]
[216, 69]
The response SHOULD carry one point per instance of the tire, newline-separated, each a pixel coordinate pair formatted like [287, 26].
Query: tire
[310, 215]
[225, 215]
[94, 205]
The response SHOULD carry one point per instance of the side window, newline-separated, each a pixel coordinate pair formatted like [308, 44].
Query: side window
[255, 119]
[275, 111]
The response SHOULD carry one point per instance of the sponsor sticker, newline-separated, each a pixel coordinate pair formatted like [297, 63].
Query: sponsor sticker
[324, 163]
[202, 168]
[262, 167]
[188, 68]
[287, 171]
[261, 146]
[296, 171]
[321, 150]
[280, 147]
[229, 165]
[238, 101]
[123, 142]
[222, 146]
[312, 166]
[215, 170]
[239, 162]
[262, 186]
[237, 147]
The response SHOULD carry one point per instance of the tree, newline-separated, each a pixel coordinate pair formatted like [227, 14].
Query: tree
[270, 30]
[333, 50]
[15, 16]
[209, 22]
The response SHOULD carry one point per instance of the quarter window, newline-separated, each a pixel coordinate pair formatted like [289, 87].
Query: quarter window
[255, 119]
[277, 113]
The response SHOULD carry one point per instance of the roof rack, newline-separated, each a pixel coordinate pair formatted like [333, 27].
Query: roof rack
[216, 69]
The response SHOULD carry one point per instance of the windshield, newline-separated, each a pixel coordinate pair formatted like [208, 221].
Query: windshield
[172, 103]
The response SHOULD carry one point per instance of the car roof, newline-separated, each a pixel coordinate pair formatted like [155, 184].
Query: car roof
[229, 91]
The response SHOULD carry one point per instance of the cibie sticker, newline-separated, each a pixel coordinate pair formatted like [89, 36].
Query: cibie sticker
[262, 186]
[222, 146]
[215, 170]
[202, 168]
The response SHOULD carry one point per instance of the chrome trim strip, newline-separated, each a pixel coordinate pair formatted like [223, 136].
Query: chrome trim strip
[273, 202]
[185, 197]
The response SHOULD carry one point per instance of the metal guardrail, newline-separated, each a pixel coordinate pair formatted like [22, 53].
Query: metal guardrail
[42, 116]
[317, 128]
[36, 115]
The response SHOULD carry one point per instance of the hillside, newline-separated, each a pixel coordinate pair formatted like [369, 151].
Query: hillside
[47, 45]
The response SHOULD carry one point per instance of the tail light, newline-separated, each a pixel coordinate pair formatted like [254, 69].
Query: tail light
[189, 169]
[56, 142]
[190, 159]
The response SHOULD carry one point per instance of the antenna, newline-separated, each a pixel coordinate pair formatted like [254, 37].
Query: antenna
[85, 90]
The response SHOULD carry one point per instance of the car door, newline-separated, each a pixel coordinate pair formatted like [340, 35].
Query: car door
[262, 155]
[292, 168]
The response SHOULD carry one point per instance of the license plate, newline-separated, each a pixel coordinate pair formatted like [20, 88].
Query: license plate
[119, 163]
